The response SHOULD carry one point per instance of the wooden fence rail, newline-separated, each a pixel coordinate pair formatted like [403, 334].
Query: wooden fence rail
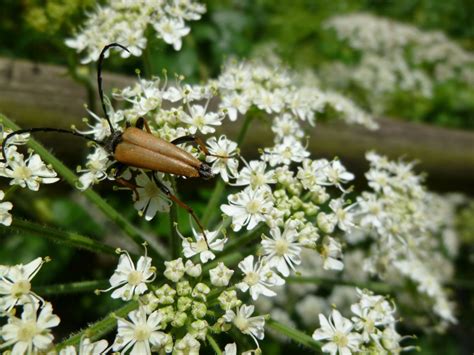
[41, 94]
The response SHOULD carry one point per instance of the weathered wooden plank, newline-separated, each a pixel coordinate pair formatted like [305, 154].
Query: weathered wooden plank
[41, 94]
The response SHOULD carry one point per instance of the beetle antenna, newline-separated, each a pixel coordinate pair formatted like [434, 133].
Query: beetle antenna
[99, 79]
[40, 129]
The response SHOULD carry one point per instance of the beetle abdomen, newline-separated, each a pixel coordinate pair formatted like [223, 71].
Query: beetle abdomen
[148, 141]
[140, 157]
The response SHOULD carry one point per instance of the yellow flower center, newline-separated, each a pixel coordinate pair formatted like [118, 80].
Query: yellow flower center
[134, 278]
[20, 288]
[22, 172]
[281, 247]
[241, 323]
[141, 333]
[251, 278]
[253, 206]
[27, 331]
[340, 339]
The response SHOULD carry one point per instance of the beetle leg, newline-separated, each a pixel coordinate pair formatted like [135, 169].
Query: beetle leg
[120, 168]
[141, 122]
[191, 138]
[130, 185]
[173, 198]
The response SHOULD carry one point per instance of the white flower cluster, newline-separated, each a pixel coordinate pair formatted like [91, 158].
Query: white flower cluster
[126, 22]
[410, 229]
[397, 57]
[280, 92]
[371, 329]
[29, 172]
[31, 333]
[185, 302]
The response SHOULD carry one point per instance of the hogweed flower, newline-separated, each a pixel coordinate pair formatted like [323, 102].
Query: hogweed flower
[15, 284]
[129, 280]
[140, 332]
[31, 333]
[337, 330]
[242, 320]
[259, 278]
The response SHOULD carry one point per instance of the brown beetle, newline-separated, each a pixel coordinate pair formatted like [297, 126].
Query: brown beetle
[139, 148]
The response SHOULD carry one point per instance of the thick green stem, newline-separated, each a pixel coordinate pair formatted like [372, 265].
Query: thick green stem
[294, 334]
[211, 208]
[130, 230]
[213, 344]
[375, 286]
[74, 287]
[100, 328]
[59, 236]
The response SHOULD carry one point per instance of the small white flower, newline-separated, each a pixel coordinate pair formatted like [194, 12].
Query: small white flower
[336, 174]
[235, 103]
[172, 30]
[258, 278]
[140, 332]
[31, 334]
[337, 332]
[174, 270]
[220, 275]
[282, 251]
[248, 207]
[242, 320]
[129, 280]
[331, 252]
[199, 246]
[342, 215]
[254, 174]
[221, 158]
[151, 198]
[5, 216]
[200, 120]
[28, 173]
[288, 151]
[15, 284]
[96, 168]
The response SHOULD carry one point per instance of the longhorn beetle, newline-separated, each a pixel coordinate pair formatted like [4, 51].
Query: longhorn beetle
[138, 148]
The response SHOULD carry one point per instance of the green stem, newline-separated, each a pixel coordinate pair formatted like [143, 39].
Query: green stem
[210, 210]
[130, 230]
[216, 196]
[240, 242]
[213, 344]
[98, 329]
[375, 286]
[74, 287]
[294, 334]
[10, 191]
[56, 235]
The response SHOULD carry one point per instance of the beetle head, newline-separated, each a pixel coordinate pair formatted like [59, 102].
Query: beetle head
[205, 171]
